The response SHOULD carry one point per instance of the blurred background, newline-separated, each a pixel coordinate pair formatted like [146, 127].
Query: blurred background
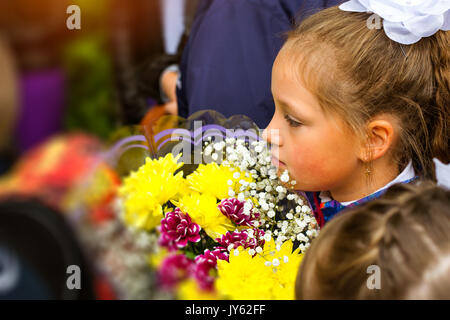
[59, 80]
[63, 95]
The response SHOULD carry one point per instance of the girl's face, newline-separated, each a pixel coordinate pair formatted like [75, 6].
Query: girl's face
[318, 150]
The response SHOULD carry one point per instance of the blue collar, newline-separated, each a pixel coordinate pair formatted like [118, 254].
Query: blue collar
[325, 211]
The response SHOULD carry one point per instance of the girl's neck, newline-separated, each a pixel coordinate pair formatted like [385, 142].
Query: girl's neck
[361, 185]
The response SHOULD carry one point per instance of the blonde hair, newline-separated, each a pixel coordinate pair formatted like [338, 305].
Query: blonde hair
[405, 233]
[358, 73]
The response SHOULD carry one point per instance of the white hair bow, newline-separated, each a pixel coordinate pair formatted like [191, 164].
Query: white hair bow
[406, 21]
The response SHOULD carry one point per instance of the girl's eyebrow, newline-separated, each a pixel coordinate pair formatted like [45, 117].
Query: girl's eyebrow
[288, 108]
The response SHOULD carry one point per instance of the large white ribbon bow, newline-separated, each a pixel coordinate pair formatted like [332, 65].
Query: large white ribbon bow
[406, 21]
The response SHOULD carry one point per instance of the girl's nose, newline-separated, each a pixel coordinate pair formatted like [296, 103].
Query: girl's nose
[272, 134]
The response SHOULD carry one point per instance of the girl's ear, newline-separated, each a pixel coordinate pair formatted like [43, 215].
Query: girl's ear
[380, 137]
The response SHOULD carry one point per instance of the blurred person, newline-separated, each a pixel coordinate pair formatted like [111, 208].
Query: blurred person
[172, 12]
[226, 64]
[158, 76]
[404, 235]
[36, 32]
[225, 56]
[9, 102]
[169, 76]
[136, 37]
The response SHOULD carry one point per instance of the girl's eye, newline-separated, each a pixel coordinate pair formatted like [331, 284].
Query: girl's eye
[291, 121]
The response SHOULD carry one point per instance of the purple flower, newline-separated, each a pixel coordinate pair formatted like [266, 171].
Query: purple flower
[233, 209]
[174, 269]
[177, 229]
[204, 264]
[242, 238]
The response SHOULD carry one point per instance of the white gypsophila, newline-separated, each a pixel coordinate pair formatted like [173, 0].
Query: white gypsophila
[267, 192]
[290, 196]
[208, 150]
[406, 21]
[284, 176]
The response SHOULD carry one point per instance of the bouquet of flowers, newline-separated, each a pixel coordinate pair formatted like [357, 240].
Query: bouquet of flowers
[217, 219]
[227, 225]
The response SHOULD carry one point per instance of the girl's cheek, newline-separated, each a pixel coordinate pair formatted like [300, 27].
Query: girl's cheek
[307, 161]
[310, 167]
[306, 154]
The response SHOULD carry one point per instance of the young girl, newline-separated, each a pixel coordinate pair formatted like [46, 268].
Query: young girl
[395, 247]
[357, 111]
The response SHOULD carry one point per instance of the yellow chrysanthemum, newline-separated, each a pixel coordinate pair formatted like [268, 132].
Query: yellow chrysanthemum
[189, 290]
[147, 189]
[267, 276]
[286, 272]
[202, 208]
[215, 180]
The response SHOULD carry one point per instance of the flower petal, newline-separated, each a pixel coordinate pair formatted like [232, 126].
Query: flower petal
[424, 26]
[195, 238]
[182, 243]
[397, 32]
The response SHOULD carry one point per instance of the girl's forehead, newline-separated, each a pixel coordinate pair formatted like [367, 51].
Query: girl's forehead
[310, 64]
[289, 91]
[285, 67]
[284, 58]
[291, 64]
[289, 71]
[283, 78]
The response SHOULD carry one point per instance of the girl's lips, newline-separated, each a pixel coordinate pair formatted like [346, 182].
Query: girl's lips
[277, 163]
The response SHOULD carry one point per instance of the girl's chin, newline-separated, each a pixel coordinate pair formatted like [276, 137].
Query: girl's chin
[281, 168]
[298, 187]
[288, 185]
[279, 164]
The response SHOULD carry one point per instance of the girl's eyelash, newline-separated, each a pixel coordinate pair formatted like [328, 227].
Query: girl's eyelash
[291, 121]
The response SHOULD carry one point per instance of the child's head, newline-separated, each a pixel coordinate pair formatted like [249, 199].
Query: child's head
[351, 101]
[405, 234]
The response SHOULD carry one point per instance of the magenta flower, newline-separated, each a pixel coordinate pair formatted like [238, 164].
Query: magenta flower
[174, 269]
[204, 264]
[242, 239]
[209, 258]
[166, 242]
[233, 209]
[177, 229]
